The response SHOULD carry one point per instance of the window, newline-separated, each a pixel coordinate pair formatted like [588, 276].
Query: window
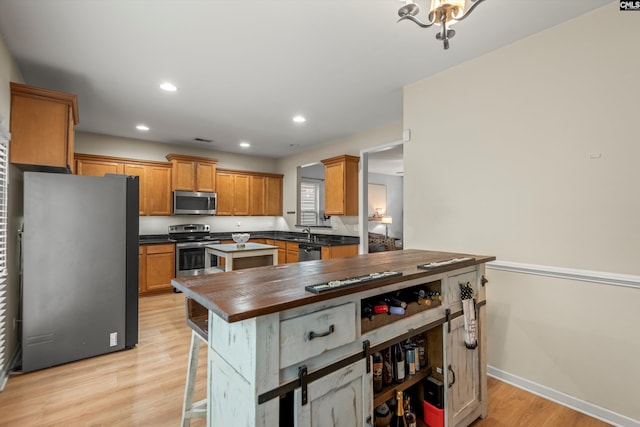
[309, 203]
[4, 172]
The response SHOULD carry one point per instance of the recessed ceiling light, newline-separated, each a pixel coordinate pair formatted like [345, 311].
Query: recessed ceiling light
[245, 144]
[169, 87]
[299, 119]
[142, 127]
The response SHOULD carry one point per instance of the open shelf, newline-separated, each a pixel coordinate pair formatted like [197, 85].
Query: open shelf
[389, 391]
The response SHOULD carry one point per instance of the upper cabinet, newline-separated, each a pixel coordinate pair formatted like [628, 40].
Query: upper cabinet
[341, 185]
[193, 173]
[248, 193]
[154, 179]
[42, 127]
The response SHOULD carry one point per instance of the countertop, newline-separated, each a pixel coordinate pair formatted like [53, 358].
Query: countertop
[243, 294]
[291, 236]
[233, 248]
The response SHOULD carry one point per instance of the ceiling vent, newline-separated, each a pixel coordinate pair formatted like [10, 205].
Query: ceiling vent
[203, 140]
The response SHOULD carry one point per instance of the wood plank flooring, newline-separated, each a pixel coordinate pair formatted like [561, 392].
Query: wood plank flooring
[144, 386]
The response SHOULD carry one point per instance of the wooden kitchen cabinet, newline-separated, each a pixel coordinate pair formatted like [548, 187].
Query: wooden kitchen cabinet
[257, 199]
[157, 268]
[329, 252]
[193, 173]
[248, 193]
[98, 167]
[232, 194]
[273, 195]
[42, 128]
[155, 179]
[341, 185]
[157, 190]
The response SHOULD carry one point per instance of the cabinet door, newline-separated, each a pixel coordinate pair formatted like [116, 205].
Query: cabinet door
[463, 374]
[142, 269]
[140, 172]
[160, 267]
[334, 189]
[224, 188]
[329, 252]
[39, 131]
[98, 167]
[273, 196]
[340, 399]
[206, 177]
[183, 175]
[71, 141]
[257, 195]
[158, 190]
[241, 193]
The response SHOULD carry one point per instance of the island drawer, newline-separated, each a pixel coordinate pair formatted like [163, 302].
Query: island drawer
[312, 334]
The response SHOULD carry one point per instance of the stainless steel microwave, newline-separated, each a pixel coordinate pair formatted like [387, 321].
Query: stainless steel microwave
[194, 203]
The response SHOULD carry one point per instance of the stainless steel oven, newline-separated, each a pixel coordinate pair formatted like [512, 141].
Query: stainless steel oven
[190, 258]
[191, 240]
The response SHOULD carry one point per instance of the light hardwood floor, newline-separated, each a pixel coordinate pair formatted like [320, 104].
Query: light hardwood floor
[144, 386]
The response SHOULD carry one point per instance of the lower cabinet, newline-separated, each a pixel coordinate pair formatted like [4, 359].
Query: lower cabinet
[157, 268]
[329, 252]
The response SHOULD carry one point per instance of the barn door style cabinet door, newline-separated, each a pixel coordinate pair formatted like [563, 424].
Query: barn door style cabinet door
[341, 185]
[466, 374]
[42, 128]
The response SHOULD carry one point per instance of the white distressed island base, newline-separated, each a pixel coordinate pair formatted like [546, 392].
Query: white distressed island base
[281, 355]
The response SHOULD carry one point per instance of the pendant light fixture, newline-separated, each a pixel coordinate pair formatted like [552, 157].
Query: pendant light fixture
[441, 12]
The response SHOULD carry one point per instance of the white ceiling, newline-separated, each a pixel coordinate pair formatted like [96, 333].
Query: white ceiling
[244, 68]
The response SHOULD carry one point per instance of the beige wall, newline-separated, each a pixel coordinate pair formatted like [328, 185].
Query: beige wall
[505, 169]
[9, 72]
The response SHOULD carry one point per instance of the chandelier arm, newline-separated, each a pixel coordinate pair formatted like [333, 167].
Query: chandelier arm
[416, 20]
[468, 11]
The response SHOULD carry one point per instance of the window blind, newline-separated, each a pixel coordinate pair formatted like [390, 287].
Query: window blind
[309, 203]
[4, 159]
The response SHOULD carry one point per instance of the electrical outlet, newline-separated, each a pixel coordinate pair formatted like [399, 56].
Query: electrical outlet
[113, 339]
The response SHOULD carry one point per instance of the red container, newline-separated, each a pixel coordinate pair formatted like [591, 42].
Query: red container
[433, 416]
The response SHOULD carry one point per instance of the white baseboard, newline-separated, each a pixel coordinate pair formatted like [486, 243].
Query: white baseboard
[563, 399]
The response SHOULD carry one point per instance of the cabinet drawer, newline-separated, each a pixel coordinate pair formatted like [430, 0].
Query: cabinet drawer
[452, 290]
[296, 344]
[160, 249]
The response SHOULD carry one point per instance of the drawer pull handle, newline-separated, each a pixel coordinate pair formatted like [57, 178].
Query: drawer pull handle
[313, 335]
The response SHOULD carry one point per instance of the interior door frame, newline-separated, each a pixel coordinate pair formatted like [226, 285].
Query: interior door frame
[363, 196]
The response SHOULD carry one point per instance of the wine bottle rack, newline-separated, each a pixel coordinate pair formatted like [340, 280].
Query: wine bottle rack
[413, 307]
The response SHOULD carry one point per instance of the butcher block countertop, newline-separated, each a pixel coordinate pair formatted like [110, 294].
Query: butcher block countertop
[243, 294]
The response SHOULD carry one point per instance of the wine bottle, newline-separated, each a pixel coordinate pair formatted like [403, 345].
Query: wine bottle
[398, 419]
[398, 364]
[377, 372]
[387, 367]
[367, 311]
[410, 357]
[409, 415]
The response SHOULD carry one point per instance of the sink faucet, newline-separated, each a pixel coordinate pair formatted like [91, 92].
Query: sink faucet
[308, 231]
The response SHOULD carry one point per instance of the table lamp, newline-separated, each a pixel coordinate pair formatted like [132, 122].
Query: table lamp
[386, 220]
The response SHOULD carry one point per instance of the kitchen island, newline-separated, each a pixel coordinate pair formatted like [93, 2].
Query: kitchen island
[278, 352]
[238, 256]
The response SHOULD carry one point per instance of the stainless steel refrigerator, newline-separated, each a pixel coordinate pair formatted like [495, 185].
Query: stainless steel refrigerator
[79, 267]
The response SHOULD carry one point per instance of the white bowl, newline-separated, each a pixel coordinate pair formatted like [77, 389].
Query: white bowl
[240, 238]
